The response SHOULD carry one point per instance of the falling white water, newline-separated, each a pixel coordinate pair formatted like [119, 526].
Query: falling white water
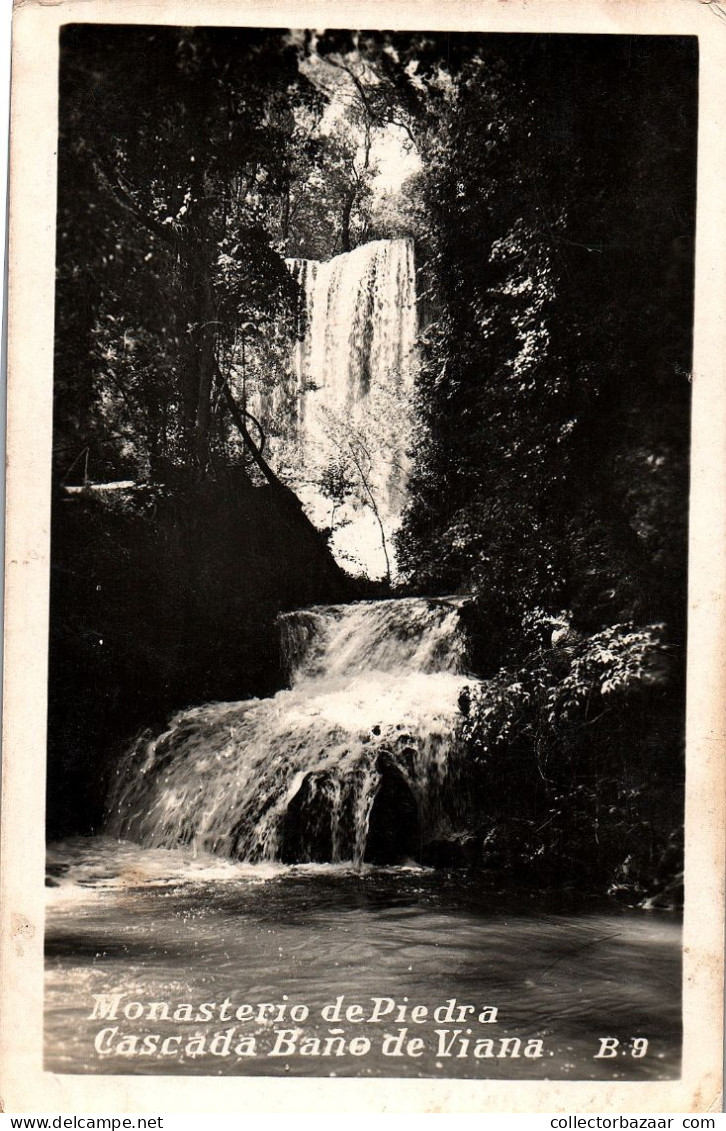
[354, 368]
[374, 706]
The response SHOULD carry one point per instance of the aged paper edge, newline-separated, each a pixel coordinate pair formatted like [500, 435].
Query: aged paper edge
[24, 1085]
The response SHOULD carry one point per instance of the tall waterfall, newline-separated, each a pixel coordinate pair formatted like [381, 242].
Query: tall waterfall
[350, 764]
[353, 370]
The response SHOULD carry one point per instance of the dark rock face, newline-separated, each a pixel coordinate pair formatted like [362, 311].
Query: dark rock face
[452, 853]
[394, 835]
[308, 835]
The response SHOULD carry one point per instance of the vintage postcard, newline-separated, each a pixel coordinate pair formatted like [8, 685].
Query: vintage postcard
[365, 531]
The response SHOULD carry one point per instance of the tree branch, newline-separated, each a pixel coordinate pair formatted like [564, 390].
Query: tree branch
[124, 200]
[238, 416]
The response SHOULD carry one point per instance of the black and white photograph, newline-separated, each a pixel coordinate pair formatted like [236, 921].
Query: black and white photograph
[373, 358]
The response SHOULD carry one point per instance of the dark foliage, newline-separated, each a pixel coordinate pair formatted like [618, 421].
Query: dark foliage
[551, 465]
[174, 147]
[574, 772]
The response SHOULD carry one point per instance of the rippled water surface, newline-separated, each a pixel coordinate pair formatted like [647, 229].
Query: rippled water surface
[158, 926]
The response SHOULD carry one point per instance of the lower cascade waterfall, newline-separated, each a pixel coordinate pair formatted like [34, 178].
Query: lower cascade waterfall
[349, 764]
